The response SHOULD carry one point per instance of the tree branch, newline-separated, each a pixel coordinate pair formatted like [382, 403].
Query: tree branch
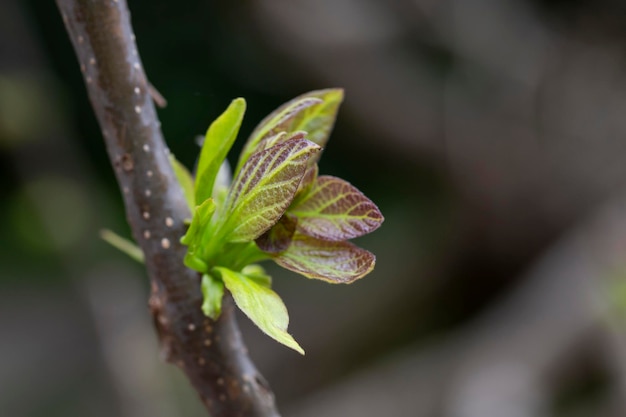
[211, 353]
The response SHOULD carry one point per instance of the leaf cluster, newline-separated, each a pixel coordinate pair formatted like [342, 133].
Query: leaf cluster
[276, 208]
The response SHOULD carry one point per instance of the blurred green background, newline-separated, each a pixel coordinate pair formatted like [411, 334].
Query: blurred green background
[491, 133]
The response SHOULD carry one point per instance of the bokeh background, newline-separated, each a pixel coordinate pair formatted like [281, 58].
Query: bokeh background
[491, 133]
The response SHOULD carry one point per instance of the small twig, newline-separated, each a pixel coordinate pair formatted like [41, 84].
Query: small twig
[157, 97]
[211, 353]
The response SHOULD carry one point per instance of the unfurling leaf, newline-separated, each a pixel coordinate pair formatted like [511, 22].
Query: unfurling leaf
[262, 305]
[197, 236]
[334, 262]
[213, 292]
[314, 113]
[319, 120]
[335, 210]
[218, 141]
[185, 180]
[273, 126]
[123, 244]
[278, 238]
[264, 188]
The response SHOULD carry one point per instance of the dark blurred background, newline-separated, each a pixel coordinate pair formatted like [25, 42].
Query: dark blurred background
[491, 133]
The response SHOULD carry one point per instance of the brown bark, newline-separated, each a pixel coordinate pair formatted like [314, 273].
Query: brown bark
[211, 354]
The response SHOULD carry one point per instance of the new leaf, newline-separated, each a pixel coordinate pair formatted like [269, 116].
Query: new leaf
[314, 113]
[333, 209]
[274, 125]
[334, 262]
[264, 188]
[213, 292]
[196, 236]
[262, 305]
[218, 141]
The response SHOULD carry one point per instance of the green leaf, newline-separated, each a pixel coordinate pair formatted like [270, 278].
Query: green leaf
[218, 141]
[319, 120]
[278, 238]
[262, 305]
[197, 236]
[335, 210]
[334, 262]
[264, 188]
[125, 245]
[185, 180]
[213, 292]
[201, 218]
[314, 113]
[274, 125]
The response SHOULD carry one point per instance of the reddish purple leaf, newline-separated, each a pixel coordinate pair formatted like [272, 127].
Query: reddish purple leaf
[335, 210]
[284, 118]
[278, 138]
[313, 113]
[273, 125]
[264, 188]
[334, 262]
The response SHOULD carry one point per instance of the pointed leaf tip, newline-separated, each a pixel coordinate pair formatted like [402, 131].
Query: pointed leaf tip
[313, 112]
[319, 120]
[334, 262]
[262, 305]
[335, 210]
[218, 141]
